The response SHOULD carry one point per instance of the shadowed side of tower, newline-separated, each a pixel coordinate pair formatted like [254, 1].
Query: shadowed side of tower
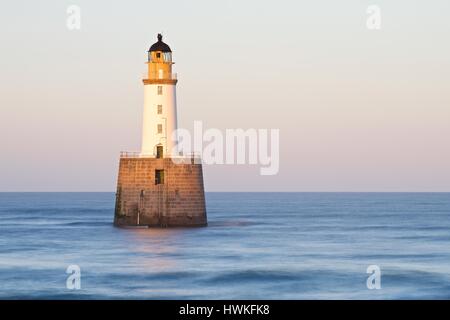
[160, 186]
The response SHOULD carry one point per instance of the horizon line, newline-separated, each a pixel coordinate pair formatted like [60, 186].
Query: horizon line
[240, 191]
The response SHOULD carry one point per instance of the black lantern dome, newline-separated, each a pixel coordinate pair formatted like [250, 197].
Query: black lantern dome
[160, 45]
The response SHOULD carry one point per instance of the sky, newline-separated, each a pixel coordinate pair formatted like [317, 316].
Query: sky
[358, 109]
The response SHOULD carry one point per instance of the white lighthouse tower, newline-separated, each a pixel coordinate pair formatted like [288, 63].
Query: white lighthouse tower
[160, 103]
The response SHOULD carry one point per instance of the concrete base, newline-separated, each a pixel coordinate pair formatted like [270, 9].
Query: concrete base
[178, 201]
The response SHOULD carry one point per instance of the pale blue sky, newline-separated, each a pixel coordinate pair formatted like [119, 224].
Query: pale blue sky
[358, 110]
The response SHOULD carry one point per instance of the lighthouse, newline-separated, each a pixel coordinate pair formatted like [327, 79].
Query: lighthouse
[160, 186]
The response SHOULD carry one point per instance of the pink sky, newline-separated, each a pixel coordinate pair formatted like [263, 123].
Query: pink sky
[358, 110]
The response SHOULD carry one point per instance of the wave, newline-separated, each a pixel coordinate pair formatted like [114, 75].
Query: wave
[263, 276]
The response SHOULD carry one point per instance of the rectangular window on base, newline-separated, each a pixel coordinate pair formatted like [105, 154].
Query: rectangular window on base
[159, 176]
[159, 128]
[159, 111]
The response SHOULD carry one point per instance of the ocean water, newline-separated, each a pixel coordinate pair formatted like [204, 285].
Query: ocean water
[257, 246]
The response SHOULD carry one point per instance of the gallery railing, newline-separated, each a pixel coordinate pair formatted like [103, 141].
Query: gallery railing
[135, 154]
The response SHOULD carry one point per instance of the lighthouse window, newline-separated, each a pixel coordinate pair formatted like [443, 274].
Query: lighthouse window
[159, 128]
[158, 55]
[159, 176]
[167, 56]
[159, 108]
[159, 90]
[159, 152]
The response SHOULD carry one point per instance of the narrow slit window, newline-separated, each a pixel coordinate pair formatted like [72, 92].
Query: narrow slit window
[159, 128]
[159, 90]
[159, 109]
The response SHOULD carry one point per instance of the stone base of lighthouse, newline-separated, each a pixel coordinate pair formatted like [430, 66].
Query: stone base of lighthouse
[159, 192]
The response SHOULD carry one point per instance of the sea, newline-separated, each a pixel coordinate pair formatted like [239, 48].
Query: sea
[256, 246]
